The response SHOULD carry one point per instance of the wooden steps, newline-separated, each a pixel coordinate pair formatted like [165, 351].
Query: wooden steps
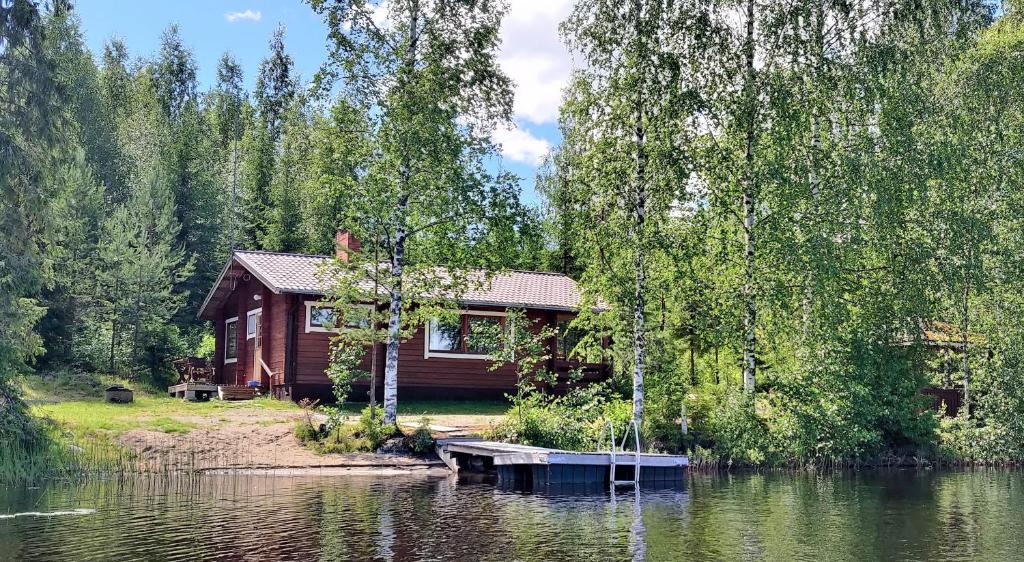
[231, 392]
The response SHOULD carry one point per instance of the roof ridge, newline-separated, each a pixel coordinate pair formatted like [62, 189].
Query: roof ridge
[269, 253]
[551, 273]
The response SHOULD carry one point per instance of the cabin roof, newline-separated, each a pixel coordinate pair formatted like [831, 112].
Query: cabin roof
[301, 274]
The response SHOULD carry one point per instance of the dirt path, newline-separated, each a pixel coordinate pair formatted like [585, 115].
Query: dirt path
[254, 439]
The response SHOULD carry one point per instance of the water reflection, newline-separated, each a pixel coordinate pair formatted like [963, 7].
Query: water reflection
[901, 515]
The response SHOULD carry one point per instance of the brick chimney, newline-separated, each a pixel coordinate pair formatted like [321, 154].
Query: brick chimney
[345, 242]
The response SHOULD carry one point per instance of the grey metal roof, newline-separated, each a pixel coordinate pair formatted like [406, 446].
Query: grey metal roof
[301, 274]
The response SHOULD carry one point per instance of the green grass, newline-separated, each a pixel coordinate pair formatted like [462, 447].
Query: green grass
[170, 425]
[92, 416]
[441, 407]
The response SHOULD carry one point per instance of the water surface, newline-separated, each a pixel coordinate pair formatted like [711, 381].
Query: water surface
[910, 515]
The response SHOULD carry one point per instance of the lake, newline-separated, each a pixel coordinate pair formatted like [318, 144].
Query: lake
[897, 515]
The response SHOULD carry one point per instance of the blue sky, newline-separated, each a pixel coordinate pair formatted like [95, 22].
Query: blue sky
[532, 53]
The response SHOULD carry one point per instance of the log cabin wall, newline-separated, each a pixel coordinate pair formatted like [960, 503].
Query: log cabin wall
[238, 304]
[419, 376]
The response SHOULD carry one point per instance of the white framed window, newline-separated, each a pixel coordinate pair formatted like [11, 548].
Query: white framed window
[450, 338]
[319, 316]
[231, 340]
[250, 323]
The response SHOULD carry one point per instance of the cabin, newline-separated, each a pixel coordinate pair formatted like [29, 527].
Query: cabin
[269, 321]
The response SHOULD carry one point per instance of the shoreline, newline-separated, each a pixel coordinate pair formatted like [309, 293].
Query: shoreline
[428, 470]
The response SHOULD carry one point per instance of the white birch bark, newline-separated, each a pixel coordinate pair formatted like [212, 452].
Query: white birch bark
[637, 226]
[749, 215]
[398, 255]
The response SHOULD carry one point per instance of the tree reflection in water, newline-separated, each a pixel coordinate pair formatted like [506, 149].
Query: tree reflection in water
[778, 516]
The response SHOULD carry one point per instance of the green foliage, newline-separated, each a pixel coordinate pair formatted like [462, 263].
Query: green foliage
[421, 441]
[207, 347]
[576, 421]
[374, 429]
[305, 432]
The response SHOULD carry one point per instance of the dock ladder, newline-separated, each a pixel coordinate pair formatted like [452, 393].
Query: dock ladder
[622, 450]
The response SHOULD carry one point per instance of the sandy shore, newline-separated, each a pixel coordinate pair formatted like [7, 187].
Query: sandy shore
[247, 439]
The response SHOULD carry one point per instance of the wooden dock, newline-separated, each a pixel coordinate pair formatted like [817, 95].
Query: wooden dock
[531, 466]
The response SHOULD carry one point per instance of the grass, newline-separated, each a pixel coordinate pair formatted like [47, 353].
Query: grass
[434, 408]
[93, 415]
[75, 403]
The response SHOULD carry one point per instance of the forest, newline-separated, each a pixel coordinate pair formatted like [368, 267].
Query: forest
[785, 206]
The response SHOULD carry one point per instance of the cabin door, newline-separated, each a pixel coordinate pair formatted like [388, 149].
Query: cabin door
[257, 354]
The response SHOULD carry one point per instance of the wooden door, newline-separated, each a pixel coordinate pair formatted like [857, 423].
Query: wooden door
[257, 354]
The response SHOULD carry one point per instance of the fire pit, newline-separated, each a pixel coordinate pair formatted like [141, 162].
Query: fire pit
[119, 394]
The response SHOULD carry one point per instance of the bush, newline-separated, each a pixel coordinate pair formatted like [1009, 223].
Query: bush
[206, 348]
[574, 422]
[373, 429]
[305, 433]
[421, 441]
[727, 429]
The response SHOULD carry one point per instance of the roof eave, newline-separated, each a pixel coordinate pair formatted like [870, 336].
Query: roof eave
[213, 289]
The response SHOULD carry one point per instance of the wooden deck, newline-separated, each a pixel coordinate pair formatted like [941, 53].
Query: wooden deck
[201, 391]
[192, 391]
[538, 465]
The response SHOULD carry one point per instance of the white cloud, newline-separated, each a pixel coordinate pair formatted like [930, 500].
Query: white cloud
[532, 54]
[246, 15]
[518, 145]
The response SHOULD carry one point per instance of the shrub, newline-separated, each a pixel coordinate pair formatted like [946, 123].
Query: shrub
[206, 348]
[574, 422]
[421, 441]
[305, 433]
[373, 429]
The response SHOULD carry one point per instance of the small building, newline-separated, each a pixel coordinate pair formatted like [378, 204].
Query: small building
[267, 311]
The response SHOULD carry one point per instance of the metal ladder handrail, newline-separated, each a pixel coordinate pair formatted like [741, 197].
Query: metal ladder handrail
[636, 454]
[611, 436]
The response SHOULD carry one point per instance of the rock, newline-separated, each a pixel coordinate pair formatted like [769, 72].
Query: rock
[394, 446]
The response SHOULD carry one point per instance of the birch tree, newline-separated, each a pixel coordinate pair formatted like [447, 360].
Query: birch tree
[626, 152]
[425, 73]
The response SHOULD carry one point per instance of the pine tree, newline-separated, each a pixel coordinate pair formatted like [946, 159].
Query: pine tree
[290, 172]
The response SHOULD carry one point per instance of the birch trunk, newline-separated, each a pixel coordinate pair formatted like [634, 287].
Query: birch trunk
[398, 255]
[964, 325]
[640, 278]
[394, 329]
[749, 215]
[813, 179]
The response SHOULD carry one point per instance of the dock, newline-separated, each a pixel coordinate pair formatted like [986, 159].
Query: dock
[533, 466]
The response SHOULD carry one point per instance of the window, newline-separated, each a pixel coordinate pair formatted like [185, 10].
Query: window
[231, 340]
[470, 336]
[358, 317]
[250, 323]
[319, 318]
[446, 336]
[323, 318]
[483, 334]
[568, 338]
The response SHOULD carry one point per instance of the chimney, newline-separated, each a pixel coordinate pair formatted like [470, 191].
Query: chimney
[345, 242]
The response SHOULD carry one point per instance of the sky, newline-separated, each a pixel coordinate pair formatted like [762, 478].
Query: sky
[532, 53]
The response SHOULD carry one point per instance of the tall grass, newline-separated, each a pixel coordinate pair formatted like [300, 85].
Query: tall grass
[53, 456]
